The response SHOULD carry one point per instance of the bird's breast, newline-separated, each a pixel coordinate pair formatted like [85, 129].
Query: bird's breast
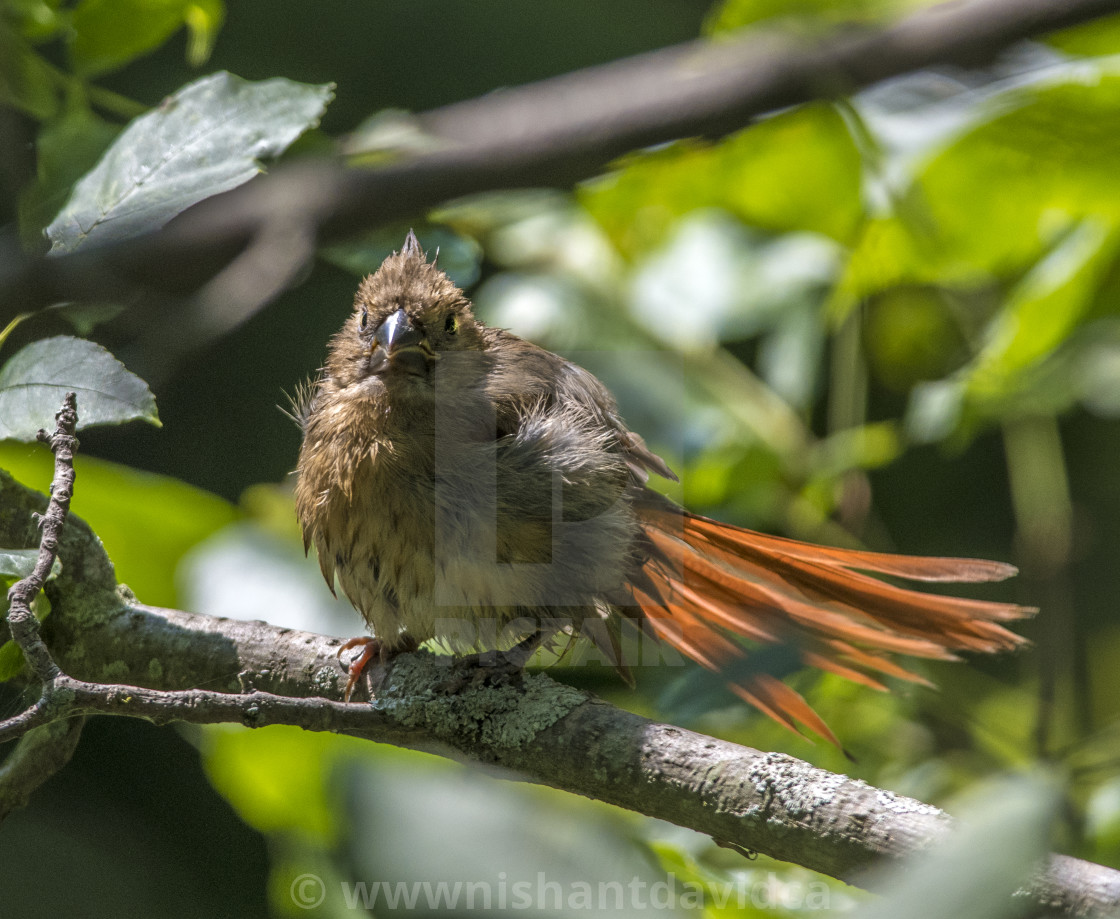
[439, 530]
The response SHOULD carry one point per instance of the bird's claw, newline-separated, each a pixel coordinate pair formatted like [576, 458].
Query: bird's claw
[354, 670]
[371, 648]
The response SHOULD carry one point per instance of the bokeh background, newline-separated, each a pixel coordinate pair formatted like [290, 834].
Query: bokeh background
[889, 320]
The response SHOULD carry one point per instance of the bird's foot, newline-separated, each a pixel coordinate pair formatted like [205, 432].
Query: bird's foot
[371, 648]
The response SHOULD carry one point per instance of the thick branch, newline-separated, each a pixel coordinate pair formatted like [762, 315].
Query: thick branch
[555, 132]
[548, 733]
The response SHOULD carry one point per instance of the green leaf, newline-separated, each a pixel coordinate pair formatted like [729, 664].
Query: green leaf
[276, 779]
[27, 82]
[1100, 36]
[800, 170]
[1048, 154]
[1043, 309]
[203, 18]
[67, 147]
[19, 563]
[85, 317]
[147, 522]
[912, 335]
[110, 33]
[817, 15]
[34, 381]
[11, 327]
[207, 138]
[37, 20]
[1033, 161]
[11, 660]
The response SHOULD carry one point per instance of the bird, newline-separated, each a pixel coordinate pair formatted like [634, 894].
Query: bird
[463, 485]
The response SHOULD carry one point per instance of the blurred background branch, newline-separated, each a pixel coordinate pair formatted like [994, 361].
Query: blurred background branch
[552, 133]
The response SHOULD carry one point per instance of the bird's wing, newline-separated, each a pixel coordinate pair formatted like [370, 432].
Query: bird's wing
[527, 379]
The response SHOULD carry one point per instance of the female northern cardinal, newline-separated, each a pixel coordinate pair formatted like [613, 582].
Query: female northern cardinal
[466, 485]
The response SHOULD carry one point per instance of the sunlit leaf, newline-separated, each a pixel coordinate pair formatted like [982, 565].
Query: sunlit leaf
[277, 778]
[817, 15]
[35, 379]
[147, 522]
[1043, 308]
[935, 410]
[1033, 161]
[1102, 823]
[865, 447]
[800, 170]
[36, 20]
[1049, 146]
[1099, 37]
[204, 18]
[11, 327]
[207, 138]
[110, 33]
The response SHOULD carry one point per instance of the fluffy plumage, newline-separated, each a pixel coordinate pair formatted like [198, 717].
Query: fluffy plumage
[463, 484]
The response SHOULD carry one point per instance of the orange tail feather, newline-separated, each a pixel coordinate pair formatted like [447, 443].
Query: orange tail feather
[704, 581]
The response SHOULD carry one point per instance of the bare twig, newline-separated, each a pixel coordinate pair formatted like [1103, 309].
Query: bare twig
[21, 620]
[50, 743]
[555, 132]
[68, 697]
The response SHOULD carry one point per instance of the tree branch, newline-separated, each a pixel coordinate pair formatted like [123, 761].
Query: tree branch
[46, 743]
[22, 623]
[131, 659]
[554, 132]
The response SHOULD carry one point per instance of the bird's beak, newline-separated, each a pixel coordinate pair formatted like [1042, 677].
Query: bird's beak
[399, 342]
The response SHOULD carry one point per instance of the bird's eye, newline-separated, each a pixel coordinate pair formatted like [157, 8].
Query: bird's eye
[364, 321]
[452, 324]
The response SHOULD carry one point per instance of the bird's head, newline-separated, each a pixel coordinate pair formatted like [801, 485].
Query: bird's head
[407, 316]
